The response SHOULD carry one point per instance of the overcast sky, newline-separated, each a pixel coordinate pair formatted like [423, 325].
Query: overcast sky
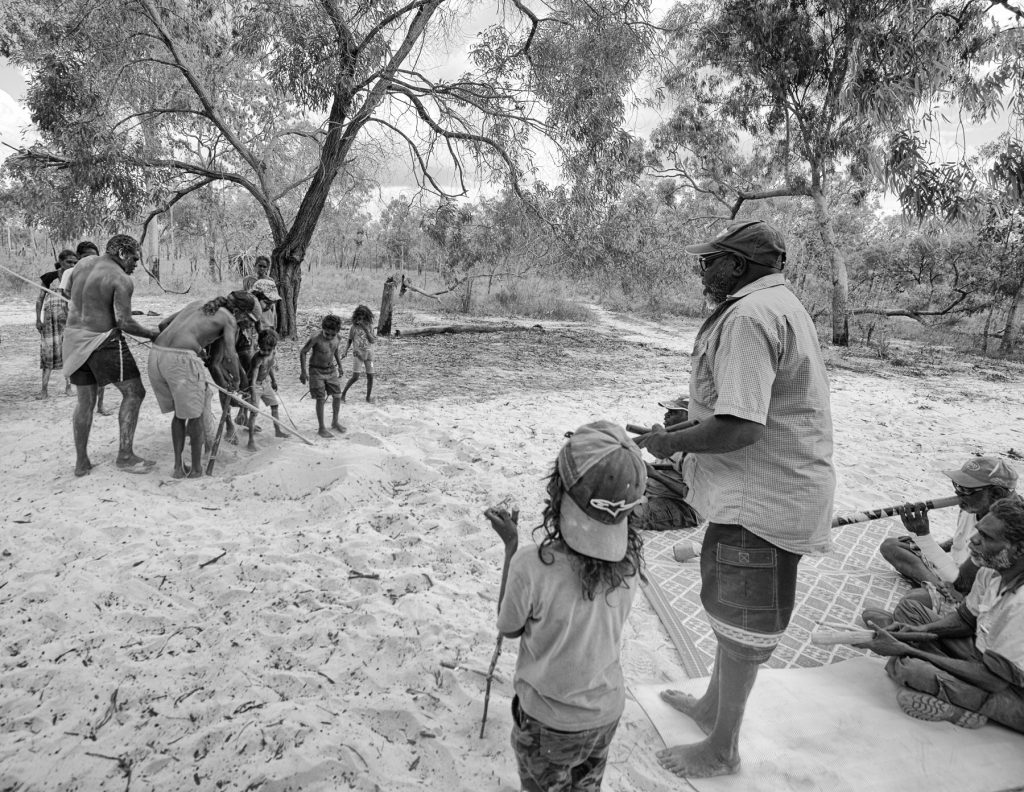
[395, 177]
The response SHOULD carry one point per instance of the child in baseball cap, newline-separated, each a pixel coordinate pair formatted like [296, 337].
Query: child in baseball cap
[567, 600]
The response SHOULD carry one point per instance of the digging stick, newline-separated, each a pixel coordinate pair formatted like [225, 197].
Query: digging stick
[216, 440]
[510, 533]
[850, 517]
[857, 635]
[247, 406]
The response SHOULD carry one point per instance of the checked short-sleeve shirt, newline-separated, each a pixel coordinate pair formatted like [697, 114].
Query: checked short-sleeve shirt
[757, 357]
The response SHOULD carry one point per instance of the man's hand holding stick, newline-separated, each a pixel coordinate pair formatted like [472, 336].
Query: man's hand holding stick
[506, 525]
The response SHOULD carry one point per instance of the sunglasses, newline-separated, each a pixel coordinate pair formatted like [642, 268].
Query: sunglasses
[965, 491]
[706, 261]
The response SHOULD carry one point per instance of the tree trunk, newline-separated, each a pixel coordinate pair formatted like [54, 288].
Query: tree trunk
[840, 278]
[467, 295]
[386, 306]
[286, 271]
[985, 331]
[1010, 329]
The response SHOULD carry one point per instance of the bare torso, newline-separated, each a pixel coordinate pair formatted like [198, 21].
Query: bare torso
[193, 329]
[101, 295]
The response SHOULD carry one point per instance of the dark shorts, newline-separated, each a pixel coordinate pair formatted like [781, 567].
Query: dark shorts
[111, 361]
[748, 587]
[559, 761]
[324, 382]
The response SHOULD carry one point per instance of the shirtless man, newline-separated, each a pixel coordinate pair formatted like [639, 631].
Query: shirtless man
[96, 352]
[179, 376]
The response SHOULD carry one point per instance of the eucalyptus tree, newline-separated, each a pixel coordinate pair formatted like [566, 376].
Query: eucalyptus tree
[779, 97]
[182, 94]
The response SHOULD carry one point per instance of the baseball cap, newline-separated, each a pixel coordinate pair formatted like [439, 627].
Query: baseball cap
[604, 476]
[267, 288]
[754, 240]
[678, 403]
[984, 471]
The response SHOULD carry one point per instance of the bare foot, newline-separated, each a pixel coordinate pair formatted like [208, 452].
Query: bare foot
[279, 433]
[691, 707]
[699, 760]
[134, 464]
[231, 438]
[252, 446]
[104, 411]
[41, 395]
[257, 428]
[83, 468]
[338, 428]
[324, 433]
[197, 473]
[180, 472]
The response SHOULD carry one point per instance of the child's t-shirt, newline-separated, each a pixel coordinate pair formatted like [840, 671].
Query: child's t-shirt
[361, 338]
[568, 675]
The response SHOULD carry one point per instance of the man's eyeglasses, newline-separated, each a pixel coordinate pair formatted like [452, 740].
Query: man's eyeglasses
[966, 491]
[708, 260]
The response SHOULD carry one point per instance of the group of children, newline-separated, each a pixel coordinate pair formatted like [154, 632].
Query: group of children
[323, 373]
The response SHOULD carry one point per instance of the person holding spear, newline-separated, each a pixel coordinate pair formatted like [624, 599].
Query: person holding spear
[567, 601]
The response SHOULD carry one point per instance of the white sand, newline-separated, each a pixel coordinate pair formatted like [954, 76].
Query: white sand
[339, 640]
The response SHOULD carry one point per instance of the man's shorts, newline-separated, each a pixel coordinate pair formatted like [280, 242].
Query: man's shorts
[362, 364]
[748, 588]
[267, 394]
[559, 761]
[323, 382]
[178, 378]
[111, 361]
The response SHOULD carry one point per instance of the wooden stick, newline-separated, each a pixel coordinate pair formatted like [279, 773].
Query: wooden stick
[861, 635]
[490, 677]
[216, 440]
[640, 430]
[245, 405]
[848, 518]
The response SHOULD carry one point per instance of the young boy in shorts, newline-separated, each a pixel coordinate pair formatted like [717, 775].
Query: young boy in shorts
[567, 601]
[324, 375]
[262, 367]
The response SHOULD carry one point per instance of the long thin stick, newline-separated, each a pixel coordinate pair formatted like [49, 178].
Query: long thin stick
[251, 408]
[848, 518]
[490, 677]
[216, 440]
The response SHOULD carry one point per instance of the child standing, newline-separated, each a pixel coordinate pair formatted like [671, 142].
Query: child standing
[324, 370]
[262, 368]
[360, 337]
[567, 600]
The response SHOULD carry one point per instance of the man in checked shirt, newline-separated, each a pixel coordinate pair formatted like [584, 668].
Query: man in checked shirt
[763, 474]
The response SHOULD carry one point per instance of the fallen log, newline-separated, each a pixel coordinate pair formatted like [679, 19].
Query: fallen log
[479, 328]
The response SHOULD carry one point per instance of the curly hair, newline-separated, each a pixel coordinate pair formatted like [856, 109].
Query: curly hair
[267, 338]
[1010, 512]
[120, 242]
[331, 322]
[236, 302]
[594, 573]
[86, 248]
[362, 315]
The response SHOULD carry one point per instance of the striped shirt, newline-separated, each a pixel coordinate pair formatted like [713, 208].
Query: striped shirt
[757, 358]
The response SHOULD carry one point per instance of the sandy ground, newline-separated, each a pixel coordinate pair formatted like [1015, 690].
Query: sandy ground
[321, 617]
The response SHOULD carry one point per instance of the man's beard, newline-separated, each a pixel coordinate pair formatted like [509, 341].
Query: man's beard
[717, 289]
[1000, 561]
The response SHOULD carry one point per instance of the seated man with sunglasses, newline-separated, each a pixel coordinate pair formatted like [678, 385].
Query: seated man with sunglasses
[945, 571]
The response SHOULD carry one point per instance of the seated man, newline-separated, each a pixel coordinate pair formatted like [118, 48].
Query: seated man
[974, 670]
[946, 571]
[667, 507]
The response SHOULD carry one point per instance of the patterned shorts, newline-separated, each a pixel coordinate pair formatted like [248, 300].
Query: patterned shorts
[748, 588]
[559, 761]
